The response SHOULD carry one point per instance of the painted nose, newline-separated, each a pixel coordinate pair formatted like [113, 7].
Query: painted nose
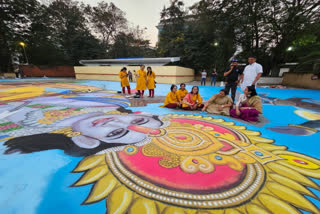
[143, 129]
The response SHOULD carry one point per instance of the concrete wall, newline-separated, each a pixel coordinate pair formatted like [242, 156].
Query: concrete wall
[49, 71]
[9, 75]
[300, 80]
[164, 74]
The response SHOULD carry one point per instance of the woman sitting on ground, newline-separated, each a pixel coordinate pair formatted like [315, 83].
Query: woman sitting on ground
[182, 92]
[192, 100]
[172, 99]
[218, 104]
[248, 106]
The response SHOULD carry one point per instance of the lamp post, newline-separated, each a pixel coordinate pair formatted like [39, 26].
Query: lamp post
[24, 50]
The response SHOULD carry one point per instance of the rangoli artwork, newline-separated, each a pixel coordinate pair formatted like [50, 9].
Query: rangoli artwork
[94, 153]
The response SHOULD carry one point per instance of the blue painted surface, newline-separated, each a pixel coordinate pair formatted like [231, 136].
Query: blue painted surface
[40, 182]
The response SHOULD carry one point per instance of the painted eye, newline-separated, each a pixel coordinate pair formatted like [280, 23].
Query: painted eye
[115, 134]
[139, 121]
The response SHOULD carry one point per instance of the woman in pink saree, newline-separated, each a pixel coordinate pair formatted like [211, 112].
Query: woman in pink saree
[248, 106]
[193, 100]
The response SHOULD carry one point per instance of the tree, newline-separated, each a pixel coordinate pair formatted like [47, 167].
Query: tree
[65, 32]
[14, 25]
[107, 20]
[200, 36]
[131, 44]
[172, 27]
[261, 28]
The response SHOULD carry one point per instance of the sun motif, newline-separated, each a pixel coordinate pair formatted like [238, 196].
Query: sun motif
[198, 164]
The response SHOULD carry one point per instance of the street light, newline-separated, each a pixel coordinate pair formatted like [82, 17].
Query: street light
[24, 50]
[289, 48]
[215, 44]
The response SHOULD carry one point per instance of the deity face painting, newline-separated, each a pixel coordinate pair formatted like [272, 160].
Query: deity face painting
[122, 129]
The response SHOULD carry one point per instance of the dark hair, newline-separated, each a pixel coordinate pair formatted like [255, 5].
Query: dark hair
[193, 88]
[149, 72]
[251, 56]
[124, 69]
[252, 89]
[225, 91]
[183, 84]
[48, 141]
[172, 86]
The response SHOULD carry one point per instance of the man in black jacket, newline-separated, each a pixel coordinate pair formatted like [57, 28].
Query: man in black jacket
[233, 78]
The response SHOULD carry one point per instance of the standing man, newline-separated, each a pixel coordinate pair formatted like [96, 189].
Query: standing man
[251, 73]
[232, 76]
[203, 77]
[214, 76]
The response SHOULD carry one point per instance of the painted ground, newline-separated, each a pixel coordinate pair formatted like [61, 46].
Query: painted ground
[80, 147]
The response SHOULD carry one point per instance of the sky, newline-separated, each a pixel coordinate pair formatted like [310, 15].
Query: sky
[145, 13]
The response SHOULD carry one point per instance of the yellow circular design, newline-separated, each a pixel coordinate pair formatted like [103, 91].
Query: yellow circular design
[198, 146]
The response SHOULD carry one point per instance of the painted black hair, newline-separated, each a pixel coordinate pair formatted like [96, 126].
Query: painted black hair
[183, 84]
[124, 69]
[193, 88]
[46, 141]
[172, 86]
[253, 91]
[149, 72]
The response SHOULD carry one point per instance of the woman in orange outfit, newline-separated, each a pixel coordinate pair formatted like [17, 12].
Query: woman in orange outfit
[182, 92]
[172, 99]
[151, 81]
[141, 76]
[124, 80]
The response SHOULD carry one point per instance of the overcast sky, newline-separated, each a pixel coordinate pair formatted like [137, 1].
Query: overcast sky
[145, 13]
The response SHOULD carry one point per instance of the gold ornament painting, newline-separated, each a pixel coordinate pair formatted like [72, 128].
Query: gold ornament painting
[200, 164]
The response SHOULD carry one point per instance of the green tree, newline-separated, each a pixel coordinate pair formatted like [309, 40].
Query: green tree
[107, 21]
[14, 26]
[131, 44]
[262, 28]
[172, 26]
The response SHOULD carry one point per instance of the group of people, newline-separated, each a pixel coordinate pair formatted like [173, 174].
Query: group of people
[248, 106]
[213, 77]
[144, 80]
[181, 98]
